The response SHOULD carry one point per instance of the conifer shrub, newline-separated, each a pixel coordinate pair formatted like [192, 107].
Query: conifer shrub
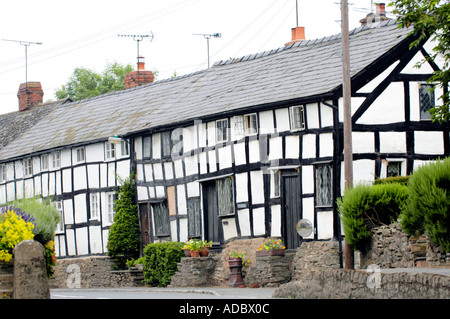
[124, 235]
[366, 206]
[161, 262]
[427, 210]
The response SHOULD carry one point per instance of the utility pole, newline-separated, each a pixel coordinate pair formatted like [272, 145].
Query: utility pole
[207, 37]
[26, 44]
[346, 93]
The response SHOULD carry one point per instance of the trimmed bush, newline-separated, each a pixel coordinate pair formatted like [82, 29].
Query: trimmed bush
[427, 209]
[403, 180]
[160, 262]
[365, 206]
[124, 235]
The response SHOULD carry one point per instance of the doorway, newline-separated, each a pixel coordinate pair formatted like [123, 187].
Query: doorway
[291, 207]
[211, 214]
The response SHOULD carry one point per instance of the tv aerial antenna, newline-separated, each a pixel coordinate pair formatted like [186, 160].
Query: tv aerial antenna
[138, 38]
[207, 37]
[26, 44]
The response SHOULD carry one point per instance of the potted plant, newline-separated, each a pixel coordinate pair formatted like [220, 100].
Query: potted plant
[186, 248]
[206, 246]
[271, 247]
[195, 247]
[235, 262]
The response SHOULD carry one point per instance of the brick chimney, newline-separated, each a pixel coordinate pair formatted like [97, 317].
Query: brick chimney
[298, 34]
[30, 94]
[140, 76]
[379, 15]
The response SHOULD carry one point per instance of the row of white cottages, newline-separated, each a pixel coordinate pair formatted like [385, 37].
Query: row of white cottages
[243, 149]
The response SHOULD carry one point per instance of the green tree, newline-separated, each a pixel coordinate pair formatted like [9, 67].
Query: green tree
[85, 83]
[124, 237]
[430, 18]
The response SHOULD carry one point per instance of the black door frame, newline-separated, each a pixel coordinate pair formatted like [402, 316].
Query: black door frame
[286, 219]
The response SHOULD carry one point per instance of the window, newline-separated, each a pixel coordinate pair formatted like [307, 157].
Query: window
[80, 155]
[110, 149]
[225, 196]
[221, 131]
[250, 124]
[124, 148]
[166, 144]
[3, 173]
[95, 205]
[44, 162]
[28, 166]
[59, 207]
[394, 169]
[147, 147]
[426, 100]
[323, 185]
[110, 197]
[274, 183]
[297, 118]
[56, 160]
[194, 217]
[239, 125]
[161, 214]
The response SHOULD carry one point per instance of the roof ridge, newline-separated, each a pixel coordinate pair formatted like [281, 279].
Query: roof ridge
[328, 38]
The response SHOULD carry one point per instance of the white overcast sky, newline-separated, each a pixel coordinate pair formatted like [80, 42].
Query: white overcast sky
[84, 33]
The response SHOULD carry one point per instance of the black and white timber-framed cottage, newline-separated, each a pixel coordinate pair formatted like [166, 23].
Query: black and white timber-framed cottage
[243, 149]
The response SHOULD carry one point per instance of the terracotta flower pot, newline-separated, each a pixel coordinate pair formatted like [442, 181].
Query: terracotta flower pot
[271, 252]
[187, 252]
[204, 252]
[195, 253]
[235, 265]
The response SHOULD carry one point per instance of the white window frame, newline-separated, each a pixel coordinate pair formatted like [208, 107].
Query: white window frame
[124, 148]
[3, 174]
[249, 129]
[55, 160]
[59, 207]
[222, 132]
[239, 125]
[94, 205]
[109, 206]
[110, 151]
[28, 166]
[45, 162]
[297, 124]
[80, 154]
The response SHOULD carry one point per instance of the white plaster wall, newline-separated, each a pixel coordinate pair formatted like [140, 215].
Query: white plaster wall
[82, 240]
[202, 134]
[229, 228]
[257, 187]
[80, 208]
[282, 119]
[37, 185]
[326, 144]
[193, 189]
[138, 147]
[275, 212]
[203, 163]
[178, 164]
[111, 174]
[70, 237]
[142, 193]
[312, 112]
[148, 171]
[308, 212]
[259, 227]
[44, 180]
[19, 189]
[324, 225]
[308, 179]
[156, 145]
[244, 222]
[173, 230]
[292, 146]
[266, 122]
[387, 108]
[168, 171]
[225, 157]
[11, 191]
[363, 142]
[428, 142]
[103, 175]
[181, 200]
[309, 146]
[211, 133]
[123, 168]
[239, 153]
[363, 172]
[93, 176]
[2, 193]
[79, 178]
[392, 142]
[184, 237]
[326, 114]
[241, 187]
[95, 152]
[29, 189]
[253, 149]
[212, 161]
[158, 171]
[68, 211]
[95, 239]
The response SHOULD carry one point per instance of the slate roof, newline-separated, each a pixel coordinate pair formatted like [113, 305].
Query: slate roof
[304, 69]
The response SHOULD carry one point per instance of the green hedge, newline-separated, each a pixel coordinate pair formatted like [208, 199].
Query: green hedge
[160, 262]
[427, 209]
[366, 206]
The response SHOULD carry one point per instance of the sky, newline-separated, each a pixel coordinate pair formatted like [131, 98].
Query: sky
[86, 34]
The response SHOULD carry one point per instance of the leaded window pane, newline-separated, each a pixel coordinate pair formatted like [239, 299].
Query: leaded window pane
[166, 143]
[426, 101]
[323, 185]
[394, 169]
[161, 213]
[225, 196]
[193, 209]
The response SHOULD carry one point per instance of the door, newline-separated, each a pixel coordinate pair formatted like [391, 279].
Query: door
[211, 215]
[144, 221]
[291, 209]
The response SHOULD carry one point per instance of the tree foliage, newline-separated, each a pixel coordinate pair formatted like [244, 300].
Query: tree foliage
[430, 18]
[85, 83]
[124, 239]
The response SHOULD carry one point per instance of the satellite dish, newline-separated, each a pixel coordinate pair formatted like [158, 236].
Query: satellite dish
[304, 227]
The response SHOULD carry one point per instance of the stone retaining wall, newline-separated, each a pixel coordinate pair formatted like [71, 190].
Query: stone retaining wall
[356, 284]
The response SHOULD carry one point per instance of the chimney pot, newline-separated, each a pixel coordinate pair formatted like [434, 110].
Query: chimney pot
[298, 34]
[381, 9]
[30, 94]
[140, 76]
